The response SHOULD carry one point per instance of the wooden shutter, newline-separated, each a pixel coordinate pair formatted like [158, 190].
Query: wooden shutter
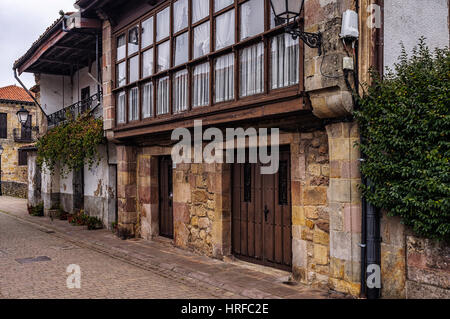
[3, 126]
[23, 158]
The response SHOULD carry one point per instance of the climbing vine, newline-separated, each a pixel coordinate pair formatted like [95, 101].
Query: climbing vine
[405, 127]
[71, 145]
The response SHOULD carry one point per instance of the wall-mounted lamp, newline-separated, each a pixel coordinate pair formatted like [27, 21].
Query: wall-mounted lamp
[287, 10]
[22, 116]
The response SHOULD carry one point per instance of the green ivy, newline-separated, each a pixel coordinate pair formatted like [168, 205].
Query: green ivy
[71, 145]
[405, 128]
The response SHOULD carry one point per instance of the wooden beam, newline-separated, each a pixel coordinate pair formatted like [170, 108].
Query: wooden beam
[55, 38]
[245, 114]
[59, 46]
[62, 62]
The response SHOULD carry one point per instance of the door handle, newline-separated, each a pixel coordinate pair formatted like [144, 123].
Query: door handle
[266, 212]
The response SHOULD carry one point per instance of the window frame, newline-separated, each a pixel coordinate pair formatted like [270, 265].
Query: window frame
[264, 37]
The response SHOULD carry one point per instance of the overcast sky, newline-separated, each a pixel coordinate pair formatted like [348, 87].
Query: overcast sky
[21, 23]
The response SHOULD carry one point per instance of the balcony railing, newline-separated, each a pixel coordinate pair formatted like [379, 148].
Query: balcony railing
[75, 110]
[24, 135]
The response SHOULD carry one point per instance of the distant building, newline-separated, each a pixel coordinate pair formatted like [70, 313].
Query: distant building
[14, 138]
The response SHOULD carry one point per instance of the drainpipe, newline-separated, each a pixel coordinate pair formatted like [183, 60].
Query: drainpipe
[370, 219]
[28, 91]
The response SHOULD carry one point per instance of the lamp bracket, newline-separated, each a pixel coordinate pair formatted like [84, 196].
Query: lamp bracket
[313, 40]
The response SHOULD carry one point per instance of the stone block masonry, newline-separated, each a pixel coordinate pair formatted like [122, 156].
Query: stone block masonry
[344, 207]
[127, 190]
[310, 219]
[202, 209]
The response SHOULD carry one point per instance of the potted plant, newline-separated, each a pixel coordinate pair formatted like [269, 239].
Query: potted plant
[94, 223]
[70, 218]
[37, 210]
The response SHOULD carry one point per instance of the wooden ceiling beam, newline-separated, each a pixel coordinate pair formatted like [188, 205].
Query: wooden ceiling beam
[66, 47]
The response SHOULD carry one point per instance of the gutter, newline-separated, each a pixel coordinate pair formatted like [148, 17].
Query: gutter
[28, 91]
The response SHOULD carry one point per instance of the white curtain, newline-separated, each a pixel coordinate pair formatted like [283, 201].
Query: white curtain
[180, 93]
[147, 32]
[121, 74]
[225, 30]
[220, 4]
[201, 40]
[162, 97]
[252, 18]
[180, 9]
[285, 61]
[147, 63]
[224, 78]
[121, 108]
[133, 104]
[200, 85]
[133, 69]
[181, 49]
[162, 24]
[121, 46]
[147, 100]
[163, 56]
[200, 10]
[252, 70]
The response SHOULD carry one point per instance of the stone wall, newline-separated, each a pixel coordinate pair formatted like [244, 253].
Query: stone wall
[14, 176]
[324, 80]
[428, 269]
[412, 267]
[127, 190]
[344, 207]
[393, 257]
[201, 205]
[310, 218]
[14, 189]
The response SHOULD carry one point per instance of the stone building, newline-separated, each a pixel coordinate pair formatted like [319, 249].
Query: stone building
[14, 137]
[169, 64]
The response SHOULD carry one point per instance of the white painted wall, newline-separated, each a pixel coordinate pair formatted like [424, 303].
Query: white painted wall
[96, 178]
[52, 92]
[81, 80]
[66, 184]
[407, 21]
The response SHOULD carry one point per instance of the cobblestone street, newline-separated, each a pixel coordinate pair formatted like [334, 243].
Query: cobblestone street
[102, 276]
[114, 268]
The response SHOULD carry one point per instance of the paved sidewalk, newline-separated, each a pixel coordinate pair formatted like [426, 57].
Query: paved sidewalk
[233, 279]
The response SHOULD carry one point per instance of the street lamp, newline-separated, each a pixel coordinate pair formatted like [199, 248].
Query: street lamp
[287, 10]
[22, 115]
[1, 152]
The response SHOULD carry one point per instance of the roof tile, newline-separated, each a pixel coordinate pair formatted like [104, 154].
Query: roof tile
[14, 93]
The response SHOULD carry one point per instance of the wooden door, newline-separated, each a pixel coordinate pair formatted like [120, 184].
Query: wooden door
[78, 189]
[26, 129]
[261, 214]
[165, 197]
[85, 95]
